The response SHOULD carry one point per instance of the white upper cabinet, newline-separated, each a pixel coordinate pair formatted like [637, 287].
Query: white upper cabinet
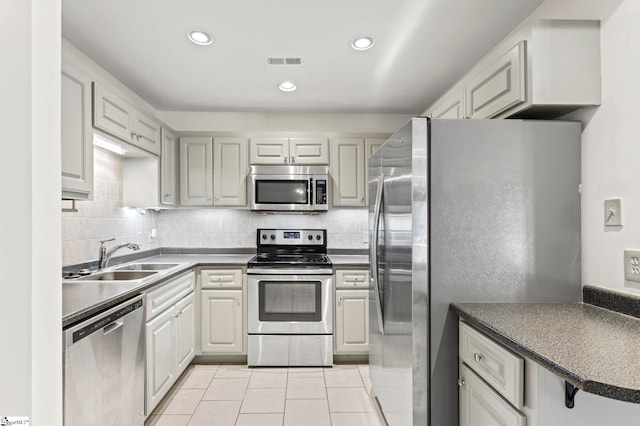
[347, 172]
[451, 106]
[309, 151]
[230, 171]
[288, 151]
[196, 171]
[76, 135]
[499, 86]
[371, 145]
[543, 69]
[168, 162]
[118, 118]
[147, 132]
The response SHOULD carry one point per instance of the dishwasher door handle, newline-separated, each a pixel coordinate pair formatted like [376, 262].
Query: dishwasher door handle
[113, 326]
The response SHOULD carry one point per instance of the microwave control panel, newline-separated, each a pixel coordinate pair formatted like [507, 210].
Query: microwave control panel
[321, 192]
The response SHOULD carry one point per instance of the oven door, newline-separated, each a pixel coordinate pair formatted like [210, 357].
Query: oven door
[290, 304]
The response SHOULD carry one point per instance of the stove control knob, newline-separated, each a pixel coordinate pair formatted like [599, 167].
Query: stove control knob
[318, 237]
[310, 237]
[264, 236]
[273, 237]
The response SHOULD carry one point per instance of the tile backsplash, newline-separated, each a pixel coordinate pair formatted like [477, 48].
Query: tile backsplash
[346, 228]
[105, 217]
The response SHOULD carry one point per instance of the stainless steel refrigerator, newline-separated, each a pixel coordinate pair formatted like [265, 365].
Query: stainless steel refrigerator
[463, 211]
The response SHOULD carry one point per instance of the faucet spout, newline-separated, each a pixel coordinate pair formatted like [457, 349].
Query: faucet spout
[104, 255]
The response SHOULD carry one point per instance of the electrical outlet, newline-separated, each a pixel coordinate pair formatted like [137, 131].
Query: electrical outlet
[632, 265]
[613, 212]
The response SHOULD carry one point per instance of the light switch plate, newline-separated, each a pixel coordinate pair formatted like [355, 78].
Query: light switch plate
[613, 212]
[632, 265]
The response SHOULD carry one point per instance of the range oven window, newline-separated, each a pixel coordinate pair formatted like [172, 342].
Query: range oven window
[298, 301]
[282, 191]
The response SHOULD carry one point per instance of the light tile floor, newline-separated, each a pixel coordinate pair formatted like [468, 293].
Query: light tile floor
[230, 395]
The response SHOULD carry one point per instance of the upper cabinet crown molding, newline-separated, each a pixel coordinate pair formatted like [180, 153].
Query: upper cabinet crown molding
[76, 134]
[118, 118]
[543, 69]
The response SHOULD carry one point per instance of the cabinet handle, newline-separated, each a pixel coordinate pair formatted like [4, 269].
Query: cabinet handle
[478, 357]
[133, 135]
[339, 301]
[293, 159]
[238, 301]
[167, 195]
[285, 159]
[461, 382]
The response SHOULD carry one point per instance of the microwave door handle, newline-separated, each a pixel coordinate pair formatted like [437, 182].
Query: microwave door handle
[310, 192]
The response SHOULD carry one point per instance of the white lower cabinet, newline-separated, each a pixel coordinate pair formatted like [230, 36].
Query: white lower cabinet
[491, 382]
[351, 332]
[480, 405]
[352, 321]
[169, 335]
[222, 312]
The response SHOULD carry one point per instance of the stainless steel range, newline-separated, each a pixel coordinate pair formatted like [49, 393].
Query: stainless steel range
[290, 299]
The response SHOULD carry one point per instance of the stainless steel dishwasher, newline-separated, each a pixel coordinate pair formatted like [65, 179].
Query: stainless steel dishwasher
[104, 368]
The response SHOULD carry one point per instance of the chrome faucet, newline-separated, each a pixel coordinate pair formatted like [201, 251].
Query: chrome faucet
[104, 255]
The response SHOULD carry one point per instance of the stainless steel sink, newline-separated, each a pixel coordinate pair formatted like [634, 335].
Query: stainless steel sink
[147, 267]
[117, 276]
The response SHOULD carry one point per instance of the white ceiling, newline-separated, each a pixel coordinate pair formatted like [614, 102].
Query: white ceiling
[421, 48]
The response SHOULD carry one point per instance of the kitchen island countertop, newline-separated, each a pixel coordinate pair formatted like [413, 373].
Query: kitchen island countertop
[592, 348]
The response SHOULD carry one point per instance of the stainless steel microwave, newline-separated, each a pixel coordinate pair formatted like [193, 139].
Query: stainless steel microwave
[289, 188]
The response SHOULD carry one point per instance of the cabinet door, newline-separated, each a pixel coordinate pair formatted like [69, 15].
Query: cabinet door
[230, 171]
[161, 357]
[499, 86]
[347, 171]
[76, 135]
[111, 114]
[269, 151]
[147, 132]
[309, 151]
[352, 321]
[221, 328]
[168, 168]
[371, 145]
[480, 405]
[185, 332]
[196, 171]
[452, 107]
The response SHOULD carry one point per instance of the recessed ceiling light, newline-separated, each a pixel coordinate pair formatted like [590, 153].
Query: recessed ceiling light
[200, 37]
[362, 43]
[287, 86]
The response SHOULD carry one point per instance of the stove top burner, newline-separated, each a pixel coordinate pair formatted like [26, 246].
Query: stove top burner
[294, 259]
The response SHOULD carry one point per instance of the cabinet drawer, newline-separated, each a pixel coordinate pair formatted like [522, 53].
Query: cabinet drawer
[221, 278]
[499, 367]
[352, 279]
[169, 293]
[481, 405]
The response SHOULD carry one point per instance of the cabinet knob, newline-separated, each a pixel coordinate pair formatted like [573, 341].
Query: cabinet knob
[461, 382]
[167, 195]
[285, 159]
[238, 301]
[133, 135]
[478, 357]
[293, 159]
[339, 301]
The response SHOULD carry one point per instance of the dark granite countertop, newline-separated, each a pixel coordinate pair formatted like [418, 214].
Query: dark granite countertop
[594, 349]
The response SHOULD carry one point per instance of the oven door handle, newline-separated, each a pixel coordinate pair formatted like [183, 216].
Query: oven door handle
[374, 253]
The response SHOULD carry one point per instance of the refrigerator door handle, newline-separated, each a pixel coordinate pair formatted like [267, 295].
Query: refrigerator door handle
[374, 252]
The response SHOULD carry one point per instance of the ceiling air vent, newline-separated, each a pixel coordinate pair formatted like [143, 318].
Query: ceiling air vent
[284, 61]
